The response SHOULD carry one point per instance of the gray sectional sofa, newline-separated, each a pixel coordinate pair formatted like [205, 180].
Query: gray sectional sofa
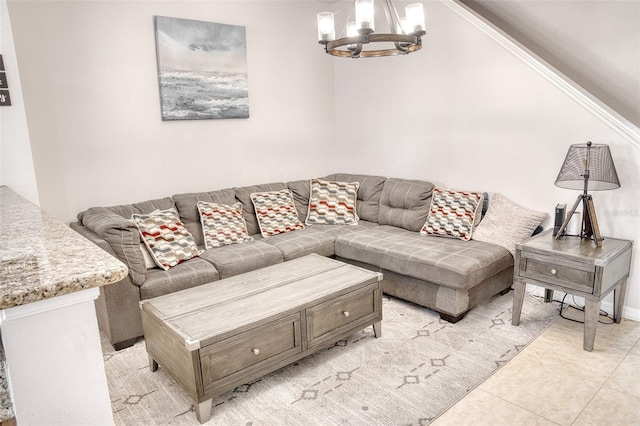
[447, 275]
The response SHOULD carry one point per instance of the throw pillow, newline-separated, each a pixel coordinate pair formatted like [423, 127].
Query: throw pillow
[149, 263]
[166, 237]
[332, 203]
[222, 224]
[507, 224]
[452, 213]
[276, 212]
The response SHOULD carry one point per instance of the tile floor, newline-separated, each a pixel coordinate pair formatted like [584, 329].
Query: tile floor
[553, 381]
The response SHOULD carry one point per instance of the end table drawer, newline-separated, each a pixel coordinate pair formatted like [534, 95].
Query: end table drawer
[575, 276]
[331, 318]
[253, 349]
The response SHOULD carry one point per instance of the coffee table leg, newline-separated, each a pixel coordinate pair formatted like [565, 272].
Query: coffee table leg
[153, 365]
[377, 329]
[203, 411]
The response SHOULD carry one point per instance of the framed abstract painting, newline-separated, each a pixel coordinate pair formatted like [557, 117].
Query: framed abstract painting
[202, 69]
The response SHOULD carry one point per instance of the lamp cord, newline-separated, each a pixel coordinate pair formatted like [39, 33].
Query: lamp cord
[581, 309]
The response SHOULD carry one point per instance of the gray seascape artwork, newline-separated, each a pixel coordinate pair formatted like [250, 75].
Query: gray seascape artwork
[202, 69]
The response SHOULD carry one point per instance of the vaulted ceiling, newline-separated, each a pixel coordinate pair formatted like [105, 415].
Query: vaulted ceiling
[596, 43]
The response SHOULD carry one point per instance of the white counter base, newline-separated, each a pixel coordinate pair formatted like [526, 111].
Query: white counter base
[55, 362]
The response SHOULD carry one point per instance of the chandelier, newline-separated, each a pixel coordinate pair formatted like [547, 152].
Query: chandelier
[405, 33]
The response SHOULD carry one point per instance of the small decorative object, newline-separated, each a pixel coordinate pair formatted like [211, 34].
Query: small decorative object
[202, 69]
[5, 99]
[405, 34]
[587, 166]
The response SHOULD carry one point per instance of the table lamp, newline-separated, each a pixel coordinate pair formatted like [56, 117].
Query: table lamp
[587, 167]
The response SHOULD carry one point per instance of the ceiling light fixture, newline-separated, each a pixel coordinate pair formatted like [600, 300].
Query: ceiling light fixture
[405, 33]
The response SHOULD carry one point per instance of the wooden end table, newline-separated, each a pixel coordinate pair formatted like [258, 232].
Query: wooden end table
[574, 266]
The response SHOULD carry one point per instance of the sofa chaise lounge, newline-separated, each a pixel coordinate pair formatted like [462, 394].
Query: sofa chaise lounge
[448, 275]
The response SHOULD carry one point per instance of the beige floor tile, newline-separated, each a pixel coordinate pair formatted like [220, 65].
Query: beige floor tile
[611, 407]
[544, 385]
[636, 348]
[560, 349]
[482, 408]
[626, 378]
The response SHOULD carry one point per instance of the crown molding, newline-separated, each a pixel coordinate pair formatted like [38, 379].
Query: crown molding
[600, 110]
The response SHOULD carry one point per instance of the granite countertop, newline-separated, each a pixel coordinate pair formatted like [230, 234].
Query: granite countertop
[41, 258]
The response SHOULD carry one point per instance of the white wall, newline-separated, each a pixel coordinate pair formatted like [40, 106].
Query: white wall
[466, 112]
[594, 42]
[16, 162]
[90, 86]
[462, 111]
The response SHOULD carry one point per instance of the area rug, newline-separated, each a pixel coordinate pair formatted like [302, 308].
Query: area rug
[419, 368]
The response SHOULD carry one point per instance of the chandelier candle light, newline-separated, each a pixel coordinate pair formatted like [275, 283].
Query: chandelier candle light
[405, 33]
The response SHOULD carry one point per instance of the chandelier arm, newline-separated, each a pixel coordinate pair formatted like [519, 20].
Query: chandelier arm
[393, 22]
[401, 47]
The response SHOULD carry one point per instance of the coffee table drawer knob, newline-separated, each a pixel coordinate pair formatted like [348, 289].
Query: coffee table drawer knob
[553, 272]
[345, 313]
[256, 351]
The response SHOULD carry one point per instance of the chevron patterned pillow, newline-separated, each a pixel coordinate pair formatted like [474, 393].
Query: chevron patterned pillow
[276, 212]
[166, 237]
[222, 224]
[452, 213]
[332, 203]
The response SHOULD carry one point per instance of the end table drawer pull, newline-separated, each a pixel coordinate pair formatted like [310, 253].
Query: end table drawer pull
[345, 313]
[256, 351]
[553, 272]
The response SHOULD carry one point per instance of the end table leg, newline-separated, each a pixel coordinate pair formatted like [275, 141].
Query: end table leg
[203, 411]
[548, 295]
[377, 329]
[153, 365]
[618, 300]
[518, 299]
[591, 314]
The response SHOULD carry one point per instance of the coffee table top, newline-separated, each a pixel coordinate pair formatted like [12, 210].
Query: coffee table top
[208, 313]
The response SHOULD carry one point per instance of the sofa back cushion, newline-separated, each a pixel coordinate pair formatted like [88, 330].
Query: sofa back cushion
[369, 193]
[300, 190]
[243, 194]
[405, 203]
[187, 206]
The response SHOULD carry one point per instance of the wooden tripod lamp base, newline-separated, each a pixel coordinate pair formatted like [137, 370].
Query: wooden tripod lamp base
[589, 229]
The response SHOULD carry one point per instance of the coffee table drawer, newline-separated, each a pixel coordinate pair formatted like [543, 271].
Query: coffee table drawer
[251, 350]
[334, 316]
[573, 275]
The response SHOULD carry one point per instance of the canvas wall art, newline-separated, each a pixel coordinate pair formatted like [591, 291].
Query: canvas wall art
[202, 69]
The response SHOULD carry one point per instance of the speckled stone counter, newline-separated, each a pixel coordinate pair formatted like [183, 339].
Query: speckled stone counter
[42, 258]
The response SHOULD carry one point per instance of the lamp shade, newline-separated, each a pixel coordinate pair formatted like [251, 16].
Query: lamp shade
[587, 161]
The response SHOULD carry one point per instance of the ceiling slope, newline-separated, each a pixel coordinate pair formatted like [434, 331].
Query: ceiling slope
[594, 43]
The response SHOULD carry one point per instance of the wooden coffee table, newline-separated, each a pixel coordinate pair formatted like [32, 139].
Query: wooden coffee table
[220, 335]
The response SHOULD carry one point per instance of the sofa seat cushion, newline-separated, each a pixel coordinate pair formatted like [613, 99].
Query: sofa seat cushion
[191, 273]
[302, 242]
[235, 259]
[337, 230]
[448, 262]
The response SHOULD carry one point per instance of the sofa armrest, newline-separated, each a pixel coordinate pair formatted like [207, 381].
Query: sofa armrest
[123, 237]
[117, 307]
